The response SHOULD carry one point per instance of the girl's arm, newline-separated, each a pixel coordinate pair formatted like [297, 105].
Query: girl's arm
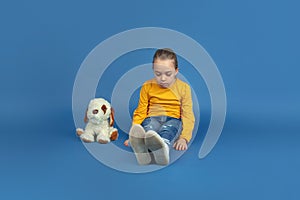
[187, 114]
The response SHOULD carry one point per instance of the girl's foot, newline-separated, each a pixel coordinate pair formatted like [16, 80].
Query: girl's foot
[158, 147]
[137, 142]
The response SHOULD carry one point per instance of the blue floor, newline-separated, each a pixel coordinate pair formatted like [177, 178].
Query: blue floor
[255, 46]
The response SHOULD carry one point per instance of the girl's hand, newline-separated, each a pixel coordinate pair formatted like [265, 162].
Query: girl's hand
[180, 144]
[126, 143]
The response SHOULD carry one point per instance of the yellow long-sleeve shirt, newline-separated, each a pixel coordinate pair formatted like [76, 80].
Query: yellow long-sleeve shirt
[175, 101]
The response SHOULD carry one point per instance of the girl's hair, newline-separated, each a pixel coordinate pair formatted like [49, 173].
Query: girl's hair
[164, 54]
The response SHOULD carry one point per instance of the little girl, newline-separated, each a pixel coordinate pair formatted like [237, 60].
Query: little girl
[164, 116]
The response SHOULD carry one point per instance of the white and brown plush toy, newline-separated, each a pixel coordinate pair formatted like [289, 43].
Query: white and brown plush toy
[100, 119]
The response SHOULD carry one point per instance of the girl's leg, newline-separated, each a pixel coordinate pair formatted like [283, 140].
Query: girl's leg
[151, 123]
[160, 131]
[154, 142]
[171, 129]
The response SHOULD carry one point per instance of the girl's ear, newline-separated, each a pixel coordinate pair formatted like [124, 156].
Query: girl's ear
[85, 117]
[112, 117]
[176, 71]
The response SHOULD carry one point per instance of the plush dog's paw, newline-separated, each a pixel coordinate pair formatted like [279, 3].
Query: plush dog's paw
[87, 138]
[79, 131]
[114, 135]
[102, 140]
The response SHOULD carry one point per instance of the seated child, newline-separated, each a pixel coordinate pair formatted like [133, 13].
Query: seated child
[164, 116]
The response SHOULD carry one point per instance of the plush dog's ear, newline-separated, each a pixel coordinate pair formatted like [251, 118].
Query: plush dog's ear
[85, 117]
[112, 117]
[104, 108]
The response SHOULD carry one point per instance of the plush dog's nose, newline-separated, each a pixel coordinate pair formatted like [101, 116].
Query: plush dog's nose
[95, 111]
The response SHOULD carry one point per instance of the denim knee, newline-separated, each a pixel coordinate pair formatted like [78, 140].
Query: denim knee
[150, 123]
[170, 131]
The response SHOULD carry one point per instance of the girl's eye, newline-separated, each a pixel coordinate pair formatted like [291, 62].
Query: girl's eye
[169, 74]
[157, 74]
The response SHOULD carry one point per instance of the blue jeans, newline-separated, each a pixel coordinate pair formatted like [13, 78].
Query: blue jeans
[167, 127]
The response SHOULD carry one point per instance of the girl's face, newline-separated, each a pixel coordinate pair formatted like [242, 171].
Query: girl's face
[165, 72]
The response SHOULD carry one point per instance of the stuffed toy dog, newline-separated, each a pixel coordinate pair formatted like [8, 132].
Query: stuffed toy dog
[100, 119]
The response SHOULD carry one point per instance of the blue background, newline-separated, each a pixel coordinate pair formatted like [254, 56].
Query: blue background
[255, 46]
